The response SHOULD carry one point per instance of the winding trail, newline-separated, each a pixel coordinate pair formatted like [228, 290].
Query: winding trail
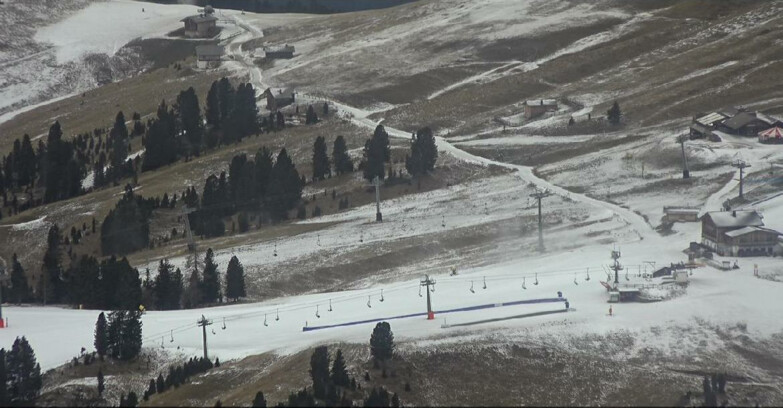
[360, 117]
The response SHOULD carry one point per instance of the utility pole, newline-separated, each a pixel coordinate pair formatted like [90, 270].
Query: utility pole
[539, 195]
[377, 183]
[427, 282]
[685, 172]
[203, 323]
[616, 267]
[741, 165]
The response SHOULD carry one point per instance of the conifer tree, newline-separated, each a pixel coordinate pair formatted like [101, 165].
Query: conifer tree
[211, 283]
[213, 106]
[124, 334]
[160, 383]
[310, 117]
[24, 373]
[339, 372]
[153, 387]
[26, 163]
[342, 161]
[131, 400]
[424, 154]
[52, 267]
[376, 153]
[191, 121]
[285, 186]
[259, 401]
[235, 279]
[225, 98]
[614, 114]
[319, 371]
[395, 401]
[321, 166]
[193, 291]
[101, 385]
[20, 292]
[101, 336]
[263, 169]
[4, 397]
[382, 342]
[165, 287]
[119, 136]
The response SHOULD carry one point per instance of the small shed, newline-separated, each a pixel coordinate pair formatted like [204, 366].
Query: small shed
[200, 26]
[208, 56]
[284, 52]
[535, 108]
[279, 98]
[681, 214]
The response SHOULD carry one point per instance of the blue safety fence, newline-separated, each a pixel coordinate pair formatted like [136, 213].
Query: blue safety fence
[437, 312]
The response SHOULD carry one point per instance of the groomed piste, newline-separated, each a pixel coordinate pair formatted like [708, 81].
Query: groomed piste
[460, 309]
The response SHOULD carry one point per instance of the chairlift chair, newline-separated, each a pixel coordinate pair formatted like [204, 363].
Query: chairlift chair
[575, 282]
[443, 221]
[275, 251]
[330, 305]
[368, 301]
[523, 283]
[536, 282]
[381, 299]
[471, 287]
[172, 337]
[277, 315]
[317, 313]
[420, 295]
[587, 278]
[485, 282]
[224, 324]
